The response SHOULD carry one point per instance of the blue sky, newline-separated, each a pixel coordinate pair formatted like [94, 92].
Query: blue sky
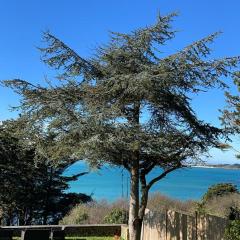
[83, 25]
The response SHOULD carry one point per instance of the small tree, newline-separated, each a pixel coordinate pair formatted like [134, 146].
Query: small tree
[127, 105]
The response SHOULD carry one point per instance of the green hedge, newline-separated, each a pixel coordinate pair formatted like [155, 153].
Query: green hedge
[232, 231]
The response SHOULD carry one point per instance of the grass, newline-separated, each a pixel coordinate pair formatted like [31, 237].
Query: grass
[79, 238]
[89, 238]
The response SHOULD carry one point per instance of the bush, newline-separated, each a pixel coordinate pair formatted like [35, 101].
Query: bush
[117, 216]
[219, 190]
[93, 212]
[226, 206]
[77, 215]
[221, 200]
[158, 202]
[232, 231]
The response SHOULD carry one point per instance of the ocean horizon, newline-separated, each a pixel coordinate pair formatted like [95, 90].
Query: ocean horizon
[112, 183]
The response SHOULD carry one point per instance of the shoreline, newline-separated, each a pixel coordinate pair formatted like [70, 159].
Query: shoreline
[219, 167]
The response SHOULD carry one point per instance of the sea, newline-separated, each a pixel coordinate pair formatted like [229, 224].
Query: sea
[112, 183]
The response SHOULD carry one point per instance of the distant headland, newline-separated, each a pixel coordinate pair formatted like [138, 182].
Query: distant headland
[225, 166]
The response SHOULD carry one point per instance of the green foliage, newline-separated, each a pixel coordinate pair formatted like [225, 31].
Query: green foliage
[219, 190]
[95, 111]
[117, 216]
[232, 231]
[95, 212]
[231, 114]
[80, 238]
[89, 238]
[32, 188]
[77, 215]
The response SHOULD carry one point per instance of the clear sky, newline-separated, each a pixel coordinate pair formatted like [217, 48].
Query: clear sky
[85, 24]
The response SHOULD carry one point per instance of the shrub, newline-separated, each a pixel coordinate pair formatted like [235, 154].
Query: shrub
[158, 202]
[77, 215]
[93, 212]
[219, 190]
[222, 200]
[232, 231]
[117, 216]
[224, 206]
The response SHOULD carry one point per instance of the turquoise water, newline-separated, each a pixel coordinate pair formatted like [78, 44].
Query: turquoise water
[190, 183]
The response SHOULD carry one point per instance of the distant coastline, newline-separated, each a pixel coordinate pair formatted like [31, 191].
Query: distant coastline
[225, 166]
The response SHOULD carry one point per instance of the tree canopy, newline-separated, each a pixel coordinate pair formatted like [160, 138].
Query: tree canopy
[128, 104]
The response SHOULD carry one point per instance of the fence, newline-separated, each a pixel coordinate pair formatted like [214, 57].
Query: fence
[172, 225]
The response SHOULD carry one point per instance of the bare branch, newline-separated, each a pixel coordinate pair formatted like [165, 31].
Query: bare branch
[162, 175]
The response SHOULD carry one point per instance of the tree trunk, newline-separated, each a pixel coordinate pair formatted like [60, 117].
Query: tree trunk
[48, 192]
[135, 224]
[21, 215]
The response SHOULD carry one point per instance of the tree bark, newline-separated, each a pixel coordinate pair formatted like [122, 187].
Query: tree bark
[48, 192]
[134, 221]
[144, 197]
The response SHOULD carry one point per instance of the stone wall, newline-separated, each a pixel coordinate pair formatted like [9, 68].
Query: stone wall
[77, 230]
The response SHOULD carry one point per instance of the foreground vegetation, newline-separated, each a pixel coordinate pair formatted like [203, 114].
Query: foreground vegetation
[79, 238]
[221, 200]
[89, 238]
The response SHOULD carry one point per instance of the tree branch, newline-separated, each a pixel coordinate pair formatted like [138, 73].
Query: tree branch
[154, 180]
